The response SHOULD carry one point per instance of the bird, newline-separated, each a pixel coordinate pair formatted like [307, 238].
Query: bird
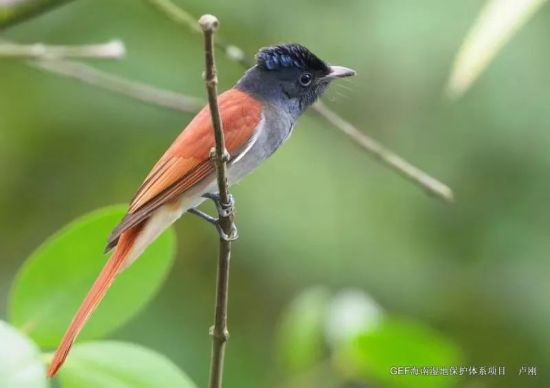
[258, 114]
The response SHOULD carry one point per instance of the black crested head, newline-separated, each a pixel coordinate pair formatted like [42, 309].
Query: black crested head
[290, 55]
[290, 77]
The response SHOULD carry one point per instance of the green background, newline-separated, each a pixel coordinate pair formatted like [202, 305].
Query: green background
[320, 212]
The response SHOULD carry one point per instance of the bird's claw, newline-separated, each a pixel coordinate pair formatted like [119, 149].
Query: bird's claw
[224, 209]
[232, 236]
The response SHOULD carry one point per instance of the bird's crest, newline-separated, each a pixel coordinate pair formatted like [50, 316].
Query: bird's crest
[288, 56]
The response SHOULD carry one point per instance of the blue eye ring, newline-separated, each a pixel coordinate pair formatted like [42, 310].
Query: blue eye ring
[305, 79]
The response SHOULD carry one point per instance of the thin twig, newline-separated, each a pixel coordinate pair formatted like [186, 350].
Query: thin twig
[133, 89]
[388, 157]
[182, 17]
[375, 149]
[177, 14]
[220, 334]
[116, 84]
[111, 50]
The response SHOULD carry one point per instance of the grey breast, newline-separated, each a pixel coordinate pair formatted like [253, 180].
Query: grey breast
[275, 128]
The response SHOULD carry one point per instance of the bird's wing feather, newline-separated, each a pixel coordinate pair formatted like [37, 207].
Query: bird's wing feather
[187, 161]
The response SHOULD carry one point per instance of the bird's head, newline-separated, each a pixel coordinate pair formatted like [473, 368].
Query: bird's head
[292, 75]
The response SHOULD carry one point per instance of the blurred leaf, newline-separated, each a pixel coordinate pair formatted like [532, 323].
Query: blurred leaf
[398, 343]
[301, 333]
[497, 23]
[56, 278]
[351, 312]
[109, 364]
[20, 362]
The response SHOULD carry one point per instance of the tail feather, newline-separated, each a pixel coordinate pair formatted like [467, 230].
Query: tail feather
[114, 266]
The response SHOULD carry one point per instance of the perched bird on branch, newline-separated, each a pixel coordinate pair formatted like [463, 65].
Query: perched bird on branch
[258, 116]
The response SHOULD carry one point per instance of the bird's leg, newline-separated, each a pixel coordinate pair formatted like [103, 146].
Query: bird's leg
[207, 217]
[223, 211]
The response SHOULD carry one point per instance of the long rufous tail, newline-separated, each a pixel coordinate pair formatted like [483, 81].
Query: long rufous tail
[98, 291]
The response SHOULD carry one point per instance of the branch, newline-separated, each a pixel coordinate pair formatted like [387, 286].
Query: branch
[388, 157]
[177, 14]
[209, 24]
[172, 100]
[16, 11]
[375, 149]
[119, 85]
[111, 50]
[116, 84]
[185, 19]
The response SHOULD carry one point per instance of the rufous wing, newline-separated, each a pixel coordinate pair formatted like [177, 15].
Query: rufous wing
[187, 161]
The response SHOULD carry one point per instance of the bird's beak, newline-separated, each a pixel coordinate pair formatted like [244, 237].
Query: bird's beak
[340, 72]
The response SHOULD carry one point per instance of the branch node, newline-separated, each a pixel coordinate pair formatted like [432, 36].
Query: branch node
[209, 23]
[225, 157]
[213, 81]
[222, 336]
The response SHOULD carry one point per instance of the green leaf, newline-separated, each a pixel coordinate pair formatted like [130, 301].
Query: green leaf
[20, 362]
[301, 341]
[496, 25]
[56, 278]
[399, 343]
[351, 311]
[110, 364]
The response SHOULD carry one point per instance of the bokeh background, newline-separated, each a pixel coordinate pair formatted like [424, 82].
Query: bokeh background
[321, 212]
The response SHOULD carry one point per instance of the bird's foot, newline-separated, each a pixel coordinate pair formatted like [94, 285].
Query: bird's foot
[234, 233]
[224, 209]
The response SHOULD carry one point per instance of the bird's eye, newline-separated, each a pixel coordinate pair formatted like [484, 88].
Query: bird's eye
[305, 79]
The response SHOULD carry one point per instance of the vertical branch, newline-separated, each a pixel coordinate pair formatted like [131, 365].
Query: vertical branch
[209, 24]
